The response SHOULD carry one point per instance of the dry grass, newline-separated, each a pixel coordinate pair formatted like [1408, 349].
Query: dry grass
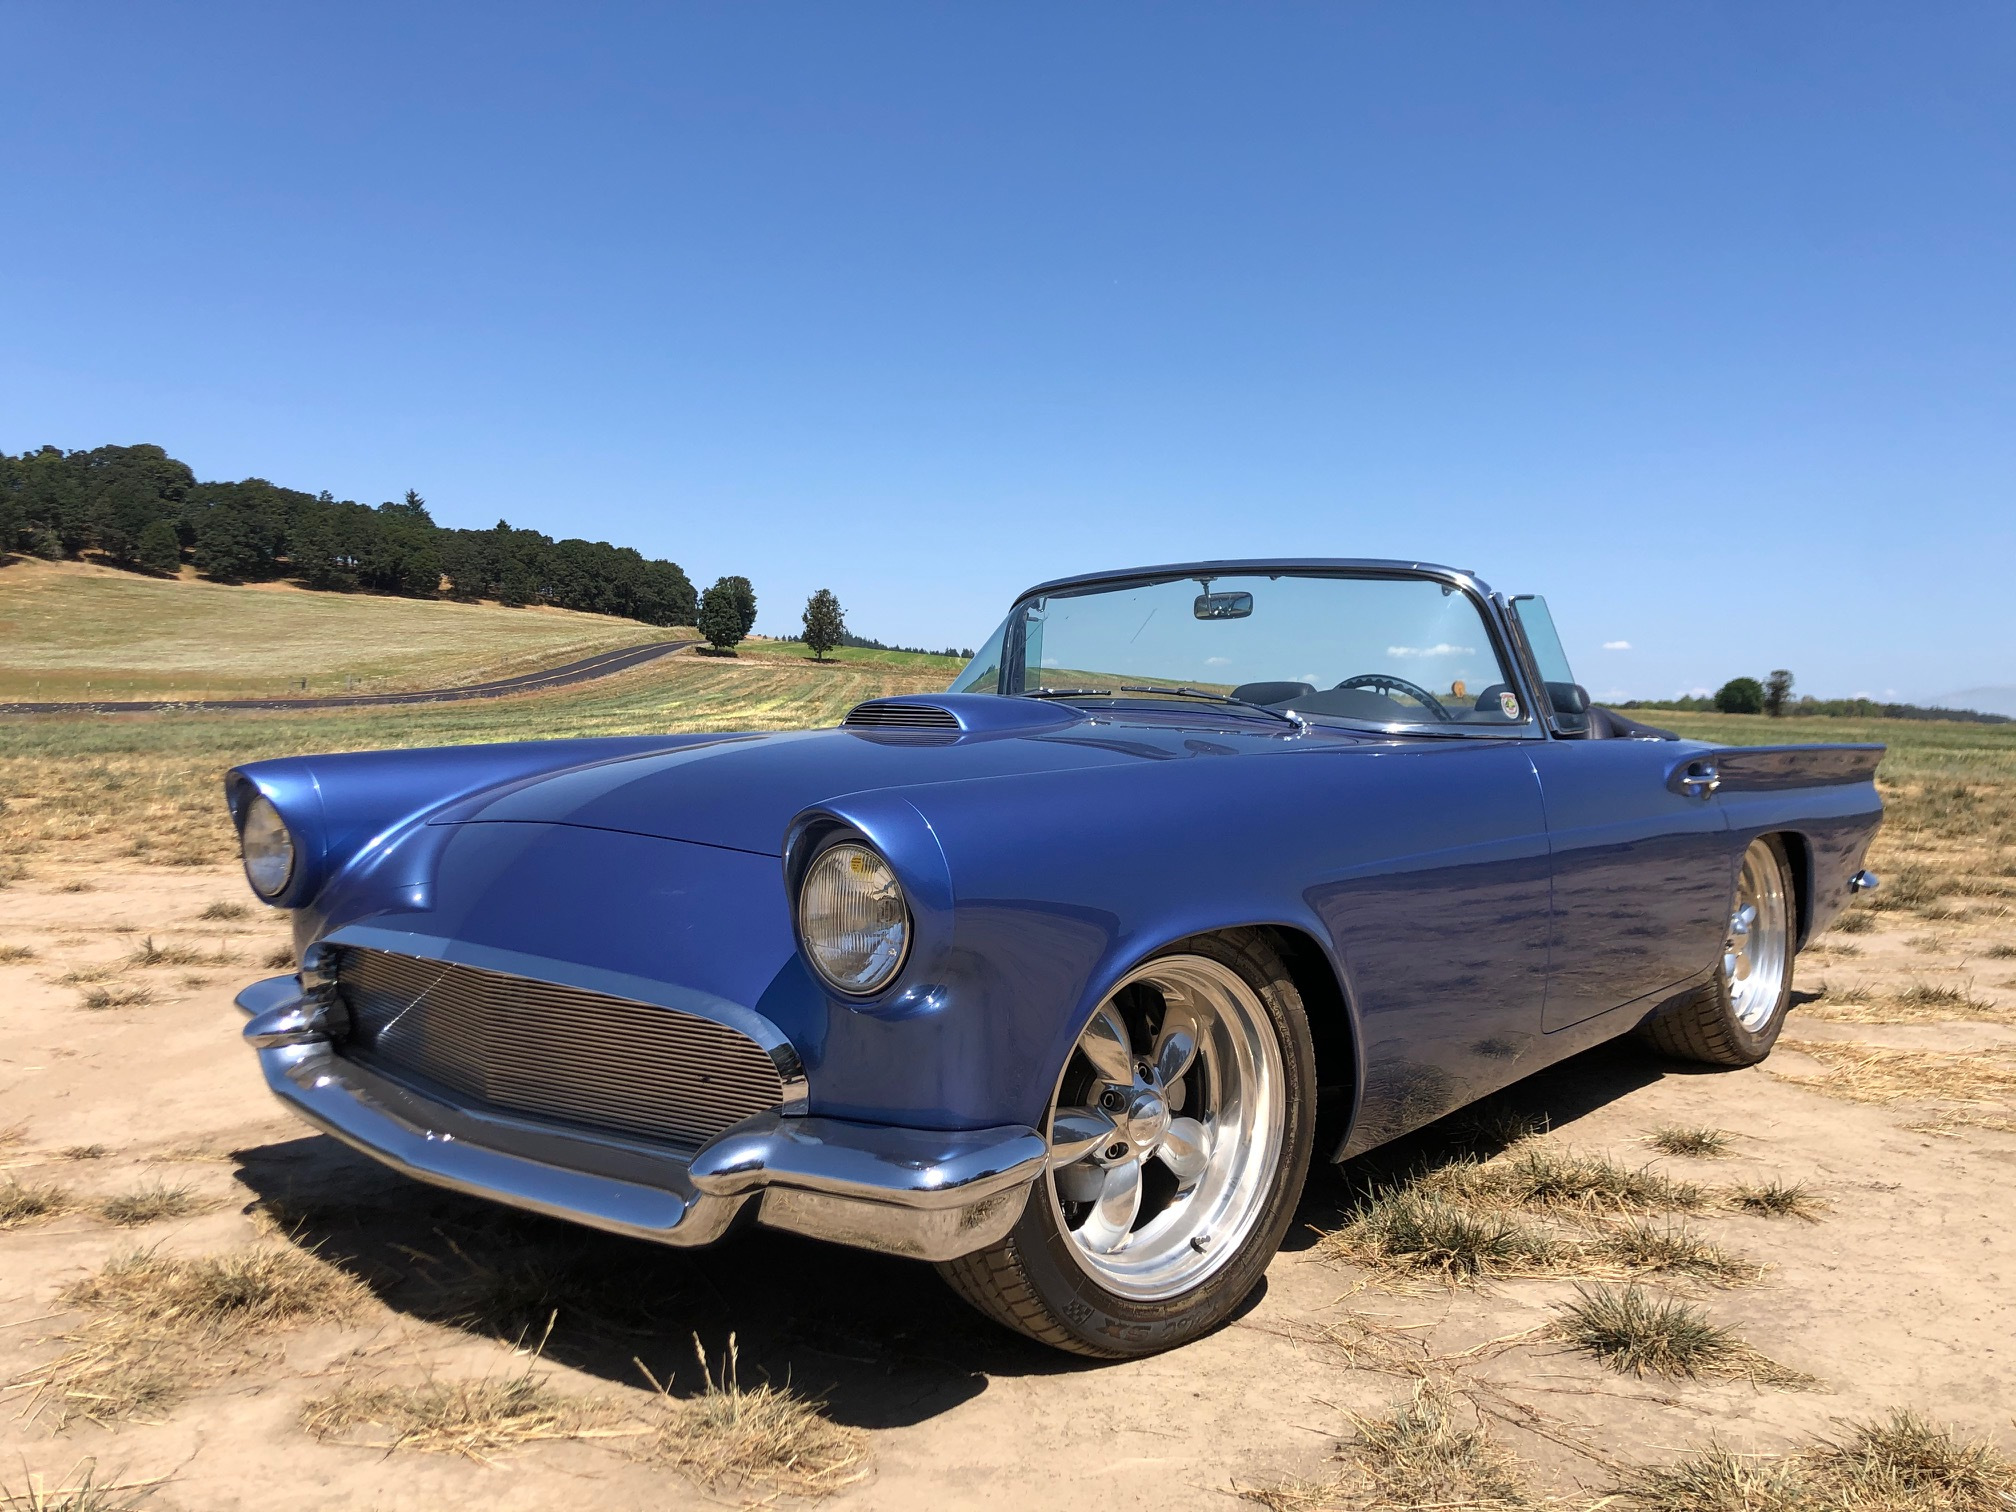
[22, 1203]
[147, 953]
[1421, 1455]
[478, 1420]
[1696, 1144]
[1902, 1464]
[1914, 1003]
[1550, 1180]
[1634, 1332]
[73, 625]
[150, 1205]
[280, 958]
[12, 953]
[79, 1489]
[1408, 1233]
[1776, 1199]
[159, 1326]
[98, 998]
[1976, 1088]
[85, 1152]
[225, 913]
[763, 1438]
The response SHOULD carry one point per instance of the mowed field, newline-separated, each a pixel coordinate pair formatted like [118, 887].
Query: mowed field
[1622, 1284]
[73, 631]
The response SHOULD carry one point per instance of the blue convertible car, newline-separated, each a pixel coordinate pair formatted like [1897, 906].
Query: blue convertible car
[1040, 978]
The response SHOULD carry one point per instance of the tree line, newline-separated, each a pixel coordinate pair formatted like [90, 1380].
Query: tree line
[1773, 697]
[139, 508]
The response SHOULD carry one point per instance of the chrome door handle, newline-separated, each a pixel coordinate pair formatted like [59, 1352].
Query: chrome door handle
[1699, 779]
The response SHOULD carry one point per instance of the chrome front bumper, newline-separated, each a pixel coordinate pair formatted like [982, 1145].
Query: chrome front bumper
[927, 1194]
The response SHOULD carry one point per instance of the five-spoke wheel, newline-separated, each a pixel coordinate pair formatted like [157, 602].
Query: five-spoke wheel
[1180, 1130]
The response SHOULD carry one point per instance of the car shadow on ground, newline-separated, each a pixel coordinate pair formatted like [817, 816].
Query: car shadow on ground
[882, 1341]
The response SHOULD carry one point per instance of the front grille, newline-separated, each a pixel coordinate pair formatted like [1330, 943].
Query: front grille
[900, 716]
[539, 1048]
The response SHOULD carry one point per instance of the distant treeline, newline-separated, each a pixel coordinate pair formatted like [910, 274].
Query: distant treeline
[1840, 708]
[141, 509]
[862, 643]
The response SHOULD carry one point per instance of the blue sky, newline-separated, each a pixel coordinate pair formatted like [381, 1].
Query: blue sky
[1699, 319]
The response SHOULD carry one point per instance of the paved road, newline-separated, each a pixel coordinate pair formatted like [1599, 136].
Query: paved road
[553, 677]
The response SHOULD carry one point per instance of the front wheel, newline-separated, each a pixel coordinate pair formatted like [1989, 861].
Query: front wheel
[1180, 1133]
[1734, 1019]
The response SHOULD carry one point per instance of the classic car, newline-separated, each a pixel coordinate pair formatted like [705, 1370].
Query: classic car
[1041, 979]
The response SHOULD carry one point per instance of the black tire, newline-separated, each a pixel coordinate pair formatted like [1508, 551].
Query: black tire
[1030, 1281]
[1703, 1025]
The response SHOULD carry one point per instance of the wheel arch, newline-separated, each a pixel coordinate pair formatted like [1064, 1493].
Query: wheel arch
[1799, 861]
[1333, 1029]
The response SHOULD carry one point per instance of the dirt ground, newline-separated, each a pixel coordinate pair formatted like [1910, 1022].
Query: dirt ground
[1899, 1292]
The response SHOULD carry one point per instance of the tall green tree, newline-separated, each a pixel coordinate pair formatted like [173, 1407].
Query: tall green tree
[1777, 692]
[720, 618]
[1740, 695]
[159, 548]
[745, 602]
[825, 623]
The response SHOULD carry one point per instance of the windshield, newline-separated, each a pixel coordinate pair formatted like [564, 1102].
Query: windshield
[1361, 649]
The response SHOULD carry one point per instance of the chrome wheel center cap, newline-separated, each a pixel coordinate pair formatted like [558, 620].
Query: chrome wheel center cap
[1147, 1119]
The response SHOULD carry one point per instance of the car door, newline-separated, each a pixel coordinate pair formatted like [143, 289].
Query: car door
[1642, 859]
[1643, 869]
[1431, 869]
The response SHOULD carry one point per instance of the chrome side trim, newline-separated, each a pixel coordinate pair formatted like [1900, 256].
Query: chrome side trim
[783, 1055]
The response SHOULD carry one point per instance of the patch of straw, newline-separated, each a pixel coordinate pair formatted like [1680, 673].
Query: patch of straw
[1636, 1333]
[158, 1326]
[764, 1437]
[1420, 1455]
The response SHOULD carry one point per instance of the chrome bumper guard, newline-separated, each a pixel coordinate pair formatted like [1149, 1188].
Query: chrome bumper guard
[928, 1194]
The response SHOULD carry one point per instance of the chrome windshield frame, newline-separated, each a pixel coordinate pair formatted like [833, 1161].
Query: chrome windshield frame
[1490, 607]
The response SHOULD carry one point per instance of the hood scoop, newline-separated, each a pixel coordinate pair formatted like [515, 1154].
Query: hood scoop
[963, 713]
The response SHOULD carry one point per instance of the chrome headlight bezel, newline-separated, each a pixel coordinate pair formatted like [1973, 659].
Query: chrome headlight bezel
[267, 849]
[846, 863]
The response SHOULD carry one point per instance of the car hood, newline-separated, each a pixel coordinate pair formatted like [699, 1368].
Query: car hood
[741, 792]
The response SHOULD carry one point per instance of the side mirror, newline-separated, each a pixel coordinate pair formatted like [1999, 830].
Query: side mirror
[1222, 606]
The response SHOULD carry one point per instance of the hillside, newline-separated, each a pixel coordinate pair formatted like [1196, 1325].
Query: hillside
[75, 631]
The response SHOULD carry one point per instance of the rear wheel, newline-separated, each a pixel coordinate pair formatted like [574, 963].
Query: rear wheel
[1735, 1019]
[1180, 1133]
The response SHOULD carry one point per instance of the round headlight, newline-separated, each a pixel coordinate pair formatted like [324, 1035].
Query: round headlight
[853, 920]
[267, 847]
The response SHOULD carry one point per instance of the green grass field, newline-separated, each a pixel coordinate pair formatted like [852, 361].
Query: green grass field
[147, 784]
[76, 632]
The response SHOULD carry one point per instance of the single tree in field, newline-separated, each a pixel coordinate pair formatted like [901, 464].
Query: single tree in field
[1777, 692]
[744, 598]
[159, 549]
[825, 623]
[720, 617]
[1740, 695]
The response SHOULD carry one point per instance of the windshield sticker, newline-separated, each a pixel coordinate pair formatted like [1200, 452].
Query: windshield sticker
[1508, 704]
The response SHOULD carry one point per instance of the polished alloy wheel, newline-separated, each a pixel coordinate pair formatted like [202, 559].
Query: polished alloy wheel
[1167, 1125]
[1758, 953]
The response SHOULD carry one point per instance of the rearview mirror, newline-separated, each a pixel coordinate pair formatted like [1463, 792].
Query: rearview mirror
[1218, 606]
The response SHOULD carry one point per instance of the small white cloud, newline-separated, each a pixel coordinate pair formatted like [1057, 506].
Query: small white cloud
[1445, 649]
[1051, 661]
[1308, 677]
[1697, 693]
[1217, 661]
[1616, 645]
[1863, 694]
[1889, 692]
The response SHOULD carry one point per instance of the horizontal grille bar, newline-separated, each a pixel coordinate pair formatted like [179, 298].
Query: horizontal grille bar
[554, 1051]
[905, 716]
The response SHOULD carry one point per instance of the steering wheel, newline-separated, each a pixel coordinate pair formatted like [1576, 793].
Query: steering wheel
[1379, 682]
